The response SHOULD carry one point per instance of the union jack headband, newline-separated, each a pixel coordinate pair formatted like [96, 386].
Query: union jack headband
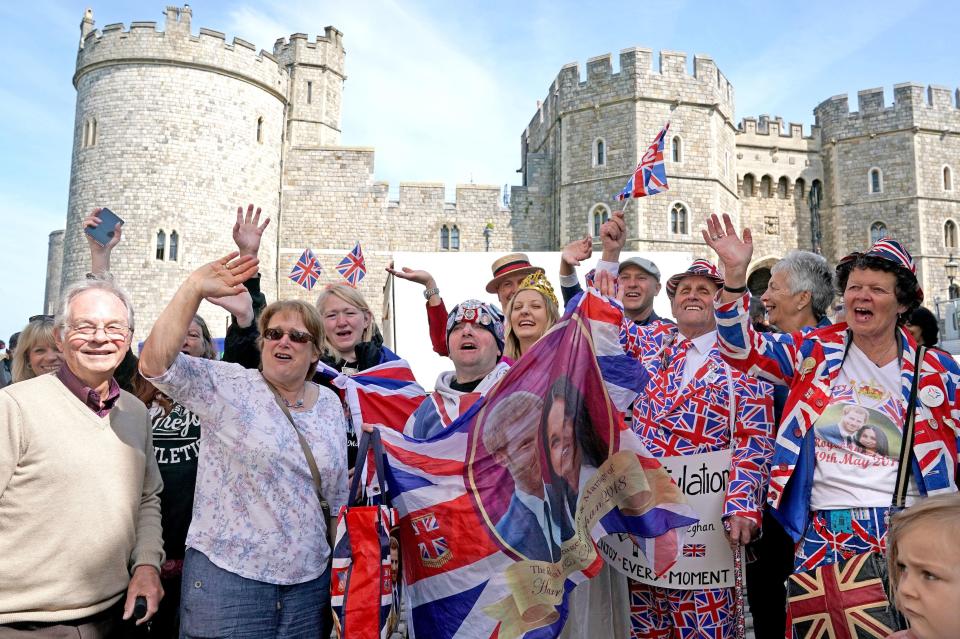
[699, 267]
[890, 250]
[485, 316]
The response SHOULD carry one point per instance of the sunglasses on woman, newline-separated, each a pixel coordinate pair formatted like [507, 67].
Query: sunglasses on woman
[276, 334]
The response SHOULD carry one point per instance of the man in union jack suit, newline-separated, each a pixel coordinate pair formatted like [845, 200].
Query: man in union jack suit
[695, 403]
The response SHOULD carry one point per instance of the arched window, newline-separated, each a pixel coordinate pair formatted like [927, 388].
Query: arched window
[766, 186]
[455, 238]
[260, 129]
[748, 185]
[599, 152]
[799, 189]
[878, 231]
[950, 234]
[954, 292]
[876, 181]
[782, 187]
[678, 219]
[89, 132]
[598, 216]
[174, 242]
[677, 146]
[161, 244]
[444, 238]
[93, 132]
[947, 179]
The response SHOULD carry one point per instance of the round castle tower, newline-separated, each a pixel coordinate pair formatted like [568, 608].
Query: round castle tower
[173, 131]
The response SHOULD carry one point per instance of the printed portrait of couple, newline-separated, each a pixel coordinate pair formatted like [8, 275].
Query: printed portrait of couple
[855, 427]
[539, 448]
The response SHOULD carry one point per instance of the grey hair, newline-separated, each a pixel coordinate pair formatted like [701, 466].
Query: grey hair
[808, 271]
[105, 284]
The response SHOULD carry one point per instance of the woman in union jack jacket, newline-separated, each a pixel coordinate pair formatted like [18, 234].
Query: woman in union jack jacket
[831, 493]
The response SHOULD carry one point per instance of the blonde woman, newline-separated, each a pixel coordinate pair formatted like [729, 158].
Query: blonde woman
[350, 338]
[36, 352]
[532, 312]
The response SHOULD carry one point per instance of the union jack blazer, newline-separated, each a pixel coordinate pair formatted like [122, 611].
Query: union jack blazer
[676, 420]
[808, 363]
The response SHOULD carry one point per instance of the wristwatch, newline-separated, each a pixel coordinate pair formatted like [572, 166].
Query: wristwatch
[430, 292]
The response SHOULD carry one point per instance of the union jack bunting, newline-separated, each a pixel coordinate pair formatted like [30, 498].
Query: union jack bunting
[306, 271]
[846, 600]
[352, 267]
[650, 176]
[473, 554]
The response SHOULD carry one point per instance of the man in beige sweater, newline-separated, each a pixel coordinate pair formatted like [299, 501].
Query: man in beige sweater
[80, 535]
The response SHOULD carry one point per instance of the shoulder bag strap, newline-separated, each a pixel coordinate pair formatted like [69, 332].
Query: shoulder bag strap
[311, 462]
[906, 442]
[368, 441]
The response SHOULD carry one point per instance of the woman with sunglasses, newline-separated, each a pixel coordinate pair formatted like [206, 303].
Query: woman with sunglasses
[36, 352]
[257, 552]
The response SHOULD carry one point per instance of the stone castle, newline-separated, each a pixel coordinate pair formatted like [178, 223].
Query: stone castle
[174, 130]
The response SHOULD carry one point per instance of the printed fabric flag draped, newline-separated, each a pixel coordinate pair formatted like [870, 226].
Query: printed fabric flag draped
[500, 513]
[306, 271]
[353, 267]
[650, 177]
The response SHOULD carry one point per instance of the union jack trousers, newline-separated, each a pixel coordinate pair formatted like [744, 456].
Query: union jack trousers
[865, 530]
[667, 613]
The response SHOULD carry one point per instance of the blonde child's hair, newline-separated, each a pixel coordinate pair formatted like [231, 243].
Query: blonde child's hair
[941, 512]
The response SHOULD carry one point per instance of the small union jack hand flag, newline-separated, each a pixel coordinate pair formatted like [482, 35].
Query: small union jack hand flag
[650, 176]
[352, 267]
[306, 271]
[694, 550]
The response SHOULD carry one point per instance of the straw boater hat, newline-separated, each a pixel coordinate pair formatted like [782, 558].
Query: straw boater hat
[699, 267]
[511, 264]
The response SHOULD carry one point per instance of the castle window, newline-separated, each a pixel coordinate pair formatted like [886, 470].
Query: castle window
[161, 244]
[599, 152]
[748, 185]
[93, 131]
[309, 92]
[799, 189]
[174, 245]
[444, 238]
[598, 215]
[678, 219]
[950, 234]
[455, 238]
[260, 129]
[878, 231]
[876, 181]
[766, 186]
[954, 293]
[782, 187]
[677, 149]
[89, 133]
[947, 179]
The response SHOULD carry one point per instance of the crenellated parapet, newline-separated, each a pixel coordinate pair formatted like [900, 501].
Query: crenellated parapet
[670, 82]
[773, 133]
[914, 105]
[141, 43]
[325, 52]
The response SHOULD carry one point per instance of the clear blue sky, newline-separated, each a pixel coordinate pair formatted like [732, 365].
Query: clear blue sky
[443, 89]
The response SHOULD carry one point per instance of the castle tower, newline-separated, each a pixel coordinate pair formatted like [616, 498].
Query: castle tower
[890, 170]
[315, 87]
[51, 294]
[589, 133]
[173, 131]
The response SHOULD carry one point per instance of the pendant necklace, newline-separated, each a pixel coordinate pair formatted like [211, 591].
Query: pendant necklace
[299, 402]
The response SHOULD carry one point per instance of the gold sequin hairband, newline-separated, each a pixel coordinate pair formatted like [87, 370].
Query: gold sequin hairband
[539, 282]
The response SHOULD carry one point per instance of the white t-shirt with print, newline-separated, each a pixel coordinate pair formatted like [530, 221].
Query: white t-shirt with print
[858, 437]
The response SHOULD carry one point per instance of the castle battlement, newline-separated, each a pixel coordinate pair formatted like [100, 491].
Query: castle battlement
[325, 51]
[143, 43]
[774, 129]
[913, 105]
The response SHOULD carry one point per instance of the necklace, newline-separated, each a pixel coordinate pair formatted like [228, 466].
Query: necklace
[299, 402]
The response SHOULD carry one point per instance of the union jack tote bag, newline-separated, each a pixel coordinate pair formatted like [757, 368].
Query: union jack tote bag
[363, 583]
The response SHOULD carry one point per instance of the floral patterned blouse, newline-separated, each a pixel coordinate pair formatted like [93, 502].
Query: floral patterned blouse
[255, 511]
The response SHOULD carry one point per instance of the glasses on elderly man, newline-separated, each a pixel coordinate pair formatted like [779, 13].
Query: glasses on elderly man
[276, 334]
[113, 330]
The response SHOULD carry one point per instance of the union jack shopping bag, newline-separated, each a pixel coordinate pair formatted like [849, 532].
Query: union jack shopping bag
[363, 582]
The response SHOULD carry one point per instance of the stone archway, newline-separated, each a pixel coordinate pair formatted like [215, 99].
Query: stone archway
[759, 275]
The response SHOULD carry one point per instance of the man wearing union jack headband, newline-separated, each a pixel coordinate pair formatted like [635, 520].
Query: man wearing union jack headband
[475, 343]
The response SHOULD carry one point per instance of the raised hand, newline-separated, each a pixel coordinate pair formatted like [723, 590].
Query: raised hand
[613, 236]
[734, 252]
[239, 305]
[411, 275]
[100, 255]
[224, 277]
[247, 231]
[577, 251]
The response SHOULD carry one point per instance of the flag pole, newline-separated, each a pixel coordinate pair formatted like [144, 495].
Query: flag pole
[626, 205]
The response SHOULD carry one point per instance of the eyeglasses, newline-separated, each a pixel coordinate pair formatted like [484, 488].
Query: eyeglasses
[113, 330]
[276, 334]
[40, 318]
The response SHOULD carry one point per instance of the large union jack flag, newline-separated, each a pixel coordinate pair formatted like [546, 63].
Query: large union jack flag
[650, 176]
[306, 271]
[352, 267]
